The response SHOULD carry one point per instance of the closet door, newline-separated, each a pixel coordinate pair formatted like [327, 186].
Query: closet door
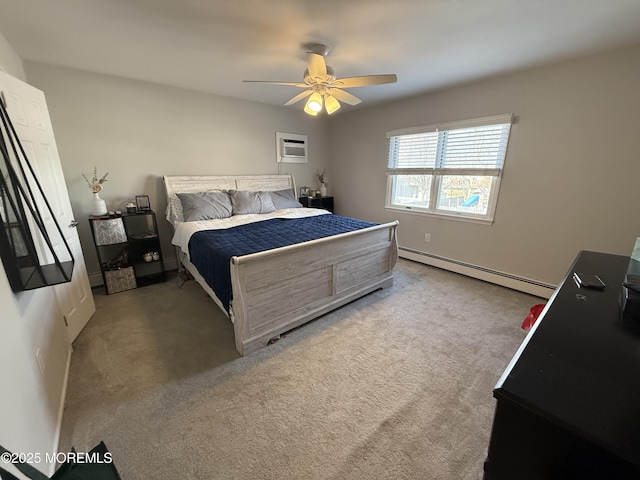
[27, 109]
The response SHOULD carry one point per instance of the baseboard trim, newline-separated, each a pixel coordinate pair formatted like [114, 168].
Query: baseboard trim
[522, 284]
[95, 279]
[63, 398]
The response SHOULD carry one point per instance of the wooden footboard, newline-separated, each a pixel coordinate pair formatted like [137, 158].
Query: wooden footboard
[277, 290]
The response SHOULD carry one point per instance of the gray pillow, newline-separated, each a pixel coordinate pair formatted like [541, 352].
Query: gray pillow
[205, 205]
[244, 202]
[284, 199]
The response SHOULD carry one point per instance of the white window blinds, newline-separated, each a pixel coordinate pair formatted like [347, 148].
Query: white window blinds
[470, 147]
[413, 151]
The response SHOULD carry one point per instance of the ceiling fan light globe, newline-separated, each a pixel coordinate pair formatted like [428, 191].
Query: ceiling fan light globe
[331, 104]
[308, 111]
[315, 106]
[315, 102]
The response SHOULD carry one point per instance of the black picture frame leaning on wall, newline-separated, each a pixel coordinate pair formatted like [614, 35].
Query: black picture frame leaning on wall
[142, 203]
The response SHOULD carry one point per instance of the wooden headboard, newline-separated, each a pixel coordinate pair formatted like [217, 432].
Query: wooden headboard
[202, 183]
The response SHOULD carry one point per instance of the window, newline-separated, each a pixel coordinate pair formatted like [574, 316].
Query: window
[448, 169]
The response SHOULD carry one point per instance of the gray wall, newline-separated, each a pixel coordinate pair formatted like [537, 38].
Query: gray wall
[569, 179]
[572, 173]
[140, 131]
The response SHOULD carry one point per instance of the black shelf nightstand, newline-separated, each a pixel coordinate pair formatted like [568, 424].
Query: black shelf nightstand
[317, 202]
[128, 248]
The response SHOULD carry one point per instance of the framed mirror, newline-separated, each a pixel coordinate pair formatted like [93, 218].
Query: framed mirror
[23, 234]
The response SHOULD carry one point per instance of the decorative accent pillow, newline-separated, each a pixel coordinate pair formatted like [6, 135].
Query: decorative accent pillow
[245, 202]
[284, 199]
[205, 205]
[174, 210]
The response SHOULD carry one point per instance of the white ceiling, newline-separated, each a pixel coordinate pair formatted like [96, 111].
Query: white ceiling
[212, 45]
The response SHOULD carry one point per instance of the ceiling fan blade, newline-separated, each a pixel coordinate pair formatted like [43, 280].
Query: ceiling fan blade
[317, 66]
[365, 80]
[343, 96]
[289, 84]
[299, 97]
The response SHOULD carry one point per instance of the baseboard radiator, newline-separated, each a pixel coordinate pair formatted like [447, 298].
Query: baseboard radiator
[515, 282]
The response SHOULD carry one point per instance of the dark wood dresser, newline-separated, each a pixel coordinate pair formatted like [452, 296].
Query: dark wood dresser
[568, 404]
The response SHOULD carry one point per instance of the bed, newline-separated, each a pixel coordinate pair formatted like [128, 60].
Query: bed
[278, 289]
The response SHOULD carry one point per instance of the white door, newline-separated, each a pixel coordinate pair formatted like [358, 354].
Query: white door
[27, 109]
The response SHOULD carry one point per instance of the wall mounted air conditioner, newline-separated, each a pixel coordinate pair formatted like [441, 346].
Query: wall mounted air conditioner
[291, 148]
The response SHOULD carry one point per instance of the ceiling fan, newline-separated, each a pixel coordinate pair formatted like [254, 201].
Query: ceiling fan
[322, 86]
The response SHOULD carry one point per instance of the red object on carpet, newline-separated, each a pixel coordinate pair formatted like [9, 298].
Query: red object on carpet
[534, 313]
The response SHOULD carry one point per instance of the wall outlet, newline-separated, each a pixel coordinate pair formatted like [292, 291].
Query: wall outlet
[427, 237]
[40, 361]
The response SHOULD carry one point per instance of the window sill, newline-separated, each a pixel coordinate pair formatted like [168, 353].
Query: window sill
[449, 216]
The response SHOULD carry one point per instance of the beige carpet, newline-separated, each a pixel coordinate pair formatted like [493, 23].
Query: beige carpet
[396, 385]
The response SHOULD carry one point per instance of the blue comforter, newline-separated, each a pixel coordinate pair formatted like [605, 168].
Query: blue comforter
[211, 250]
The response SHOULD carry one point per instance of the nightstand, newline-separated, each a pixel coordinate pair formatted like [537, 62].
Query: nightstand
[317, 202]
[128, 249]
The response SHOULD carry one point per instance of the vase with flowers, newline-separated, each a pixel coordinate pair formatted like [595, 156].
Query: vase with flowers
[99, 206]
[322, 178]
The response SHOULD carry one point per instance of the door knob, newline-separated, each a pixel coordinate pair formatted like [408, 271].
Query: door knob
[73, 224]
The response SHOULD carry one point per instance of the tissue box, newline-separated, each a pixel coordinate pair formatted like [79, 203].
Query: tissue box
[120, 280]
